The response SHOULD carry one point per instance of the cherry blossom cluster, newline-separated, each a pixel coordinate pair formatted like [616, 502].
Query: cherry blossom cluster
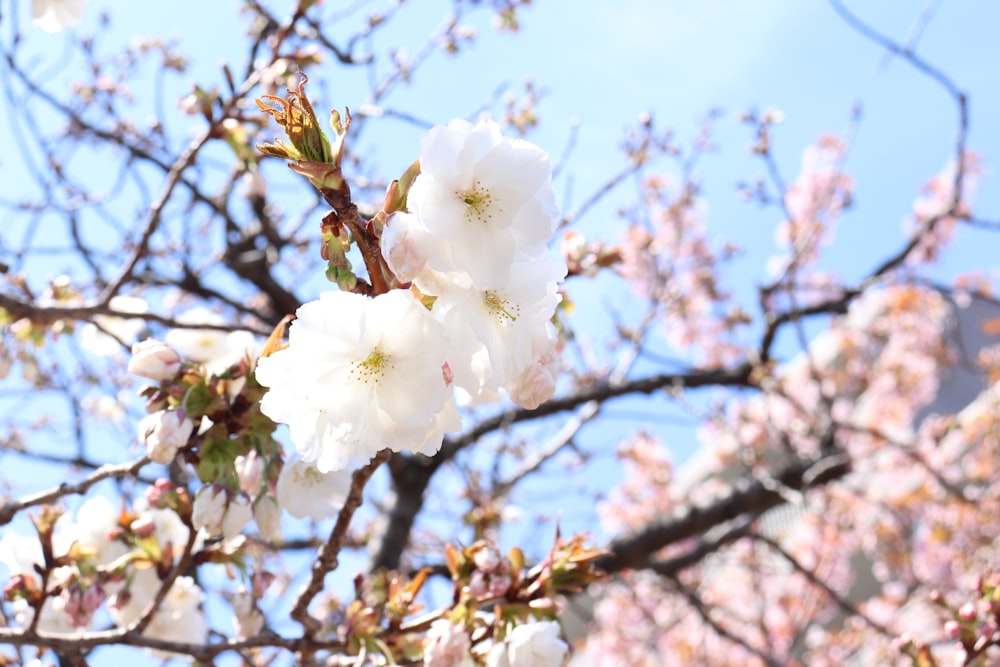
[973, 626]
[106, 558]
[203, 410]
[870, 374]
[937, 211]
[475, 293]
[669, 260]
[504, 612]
[465, 305]
[813, 203]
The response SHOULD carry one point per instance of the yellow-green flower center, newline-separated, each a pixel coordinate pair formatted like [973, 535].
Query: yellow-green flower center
[479, 203]
[501, 308]
[373, 368]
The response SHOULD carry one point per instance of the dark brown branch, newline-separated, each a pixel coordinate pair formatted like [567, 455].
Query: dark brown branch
[739, 376]
[47, 315]
[411, 475]
[751, 497]
[672, 567]
[327, 558]
[121, 636]
[129, 469]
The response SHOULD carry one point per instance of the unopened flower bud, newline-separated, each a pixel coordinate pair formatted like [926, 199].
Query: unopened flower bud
[247, 617]
[544, 604]
[533, 387]
[405, 245]
[209, 508]
[156, 494]
[478, 585]
[250, 470]
[499, 585]
[267, 514]
[154, 360]
[487, 559]
[165, 432]
[144, 526]
[238, 513]
[261, 580]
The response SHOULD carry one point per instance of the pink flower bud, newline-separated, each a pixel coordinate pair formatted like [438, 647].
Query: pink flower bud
[250, 470]
[93, 597]
[953, 629]
[165, 432]
[478, 586]
[499, 585]
[154, 360]
[261, 580]
[81, 604]
[144, 526]
[967, 611]
[157, 493]
[533, 387]
[405, 246]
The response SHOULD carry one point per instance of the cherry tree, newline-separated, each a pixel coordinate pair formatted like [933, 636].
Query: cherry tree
[266, 402]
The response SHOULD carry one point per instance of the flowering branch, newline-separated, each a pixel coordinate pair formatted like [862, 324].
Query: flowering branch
[9, 510]
[327, 558]
[747, 497]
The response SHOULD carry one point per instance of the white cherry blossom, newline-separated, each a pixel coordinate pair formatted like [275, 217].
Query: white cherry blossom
[494, 332]
[106, 334]
[536, 645]
[359, 375]
[484, 199]
[216, 348]
[304, 491]
[447, 645]
[164, 432]
[54, 15]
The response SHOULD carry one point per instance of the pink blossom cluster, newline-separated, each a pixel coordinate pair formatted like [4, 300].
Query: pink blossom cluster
[812, 203]
[917, 512]
[939, 208]
[668, 260]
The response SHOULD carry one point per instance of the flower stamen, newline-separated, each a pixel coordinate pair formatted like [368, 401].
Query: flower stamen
[373, 368]
[500, 307]
[479, 202]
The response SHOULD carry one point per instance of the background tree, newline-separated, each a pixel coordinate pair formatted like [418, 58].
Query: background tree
[840, 508]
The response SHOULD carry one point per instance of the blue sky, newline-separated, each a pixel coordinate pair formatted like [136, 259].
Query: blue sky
[603, 63]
